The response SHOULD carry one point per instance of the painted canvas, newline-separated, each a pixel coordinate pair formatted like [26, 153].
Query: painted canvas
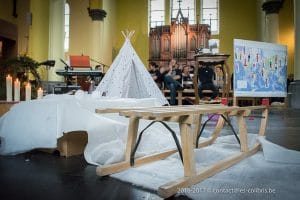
[260, 69]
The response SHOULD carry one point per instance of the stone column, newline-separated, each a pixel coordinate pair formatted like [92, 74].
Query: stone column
[39, 34]
[198, 12]
[294, 88]
[97, 15]
[271, 9]
[167, 12]
[297, 39]
[261, 16]
[56, 37]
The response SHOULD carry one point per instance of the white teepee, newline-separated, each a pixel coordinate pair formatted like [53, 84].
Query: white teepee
[127, 77]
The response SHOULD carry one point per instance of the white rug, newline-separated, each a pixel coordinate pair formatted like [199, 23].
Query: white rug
[252, 178]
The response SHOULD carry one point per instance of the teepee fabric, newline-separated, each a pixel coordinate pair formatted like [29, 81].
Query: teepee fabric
[128, 78]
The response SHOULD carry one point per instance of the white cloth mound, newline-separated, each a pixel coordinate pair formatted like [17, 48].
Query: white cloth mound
[38, 123]
[276, 153]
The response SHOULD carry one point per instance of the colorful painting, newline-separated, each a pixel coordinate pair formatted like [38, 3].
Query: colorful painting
[260, 69]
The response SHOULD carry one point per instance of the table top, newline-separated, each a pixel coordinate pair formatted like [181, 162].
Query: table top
[8, 102]
[170, 111]
[211, 57]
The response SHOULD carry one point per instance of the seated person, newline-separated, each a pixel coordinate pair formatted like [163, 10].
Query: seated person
[155, 73]
[191, 69]
[172, 78]
[187, 81]
[289, 80]
[219, 77]
[206, 75]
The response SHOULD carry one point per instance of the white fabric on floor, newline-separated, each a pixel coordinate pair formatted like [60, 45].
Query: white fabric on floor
[276, 153]
[253, 178]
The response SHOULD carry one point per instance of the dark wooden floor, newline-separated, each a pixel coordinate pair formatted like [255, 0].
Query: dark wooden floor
[37, 175]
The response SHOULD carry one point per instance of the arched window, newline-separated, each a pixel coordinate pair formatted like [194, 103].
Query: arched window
[210, 14]
[187, 9]
[67, 28]
[156, 13]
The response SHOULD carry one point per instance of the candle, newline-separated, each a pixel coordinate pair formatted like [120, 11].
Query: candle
[8, 88]
[28, 92]
[17, 90]
[40, 93]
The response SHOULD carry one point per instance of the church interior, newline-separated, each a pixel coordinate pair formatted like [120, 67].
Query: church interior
[149, 99]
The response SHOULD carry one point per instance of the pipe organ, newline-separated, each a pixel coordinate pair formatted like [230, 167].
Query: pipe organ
[177, 41]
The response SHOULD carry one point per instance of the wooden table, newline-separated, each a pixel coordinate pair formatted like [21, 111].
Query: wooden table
[189, 119]
[5, 106]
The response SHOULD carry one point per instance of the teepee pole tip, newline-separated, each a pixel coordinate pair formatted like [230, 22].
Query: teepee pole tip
[128, 34]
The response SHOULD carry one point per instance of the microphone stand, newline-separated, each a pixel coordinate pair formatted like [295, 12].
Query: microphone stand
[66, 65]
[68, 78]
[103, 65]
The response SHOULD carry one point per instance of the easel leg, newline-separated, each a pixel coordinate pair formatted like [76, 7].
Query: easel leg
[263, 123]
[235, 101]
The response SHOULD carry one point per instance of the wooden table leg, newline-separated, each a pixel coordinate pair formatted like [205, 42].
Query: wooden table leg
[131, 137]
[187, 150]
[243, 132]
[131, 140]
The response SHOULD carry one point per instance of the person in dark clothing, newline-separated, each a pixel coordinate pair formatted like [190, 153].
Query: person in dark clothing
[206, 75]
[152, 68]
[186, 78]
[172, 78]
[155, 73]
[289, 80]
[191, 69]
[187, 83]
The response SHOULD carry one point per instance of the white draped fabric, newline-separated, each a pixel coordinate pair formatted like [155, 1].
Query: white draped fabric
[39, 123]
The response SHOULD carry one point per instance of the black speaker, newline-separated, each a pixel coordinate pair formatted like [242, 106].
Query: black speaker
[65, 89]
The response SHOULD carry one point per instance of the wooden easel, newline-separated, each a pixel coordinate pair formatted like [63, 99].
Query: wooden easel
[189, 118]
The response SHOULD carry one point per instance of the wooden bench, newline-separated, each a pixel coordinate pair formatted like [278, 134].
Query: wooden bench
[190, 93]
[180, 95]
[189, 118]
